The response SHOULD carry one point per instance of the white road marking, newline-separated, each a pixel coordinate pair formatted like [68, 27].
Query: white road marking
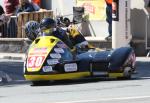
[106, 99]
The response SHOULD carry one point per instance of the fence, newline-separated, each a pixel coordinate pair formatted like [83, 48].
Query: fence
[15, 27]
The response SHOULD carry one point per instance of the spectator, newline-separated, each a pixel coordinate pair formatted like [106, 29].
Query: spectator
[3, 21]
[38, 2]
[3, 17]
[1, 13]
[25, 6]
[10, 7]
[109, 18]
[35, 6]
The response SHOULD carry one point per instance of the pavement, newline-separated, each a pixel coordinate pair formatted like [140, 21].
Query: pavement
[12, 56]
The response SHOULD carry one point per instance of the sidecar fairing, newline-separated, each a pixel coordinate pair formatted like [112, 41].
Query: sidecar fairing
[49, 59]
[115, 63]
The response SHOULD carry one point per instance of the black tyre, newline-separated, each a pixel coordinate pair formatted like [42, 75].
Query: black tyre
[127, 73]
[40, 83]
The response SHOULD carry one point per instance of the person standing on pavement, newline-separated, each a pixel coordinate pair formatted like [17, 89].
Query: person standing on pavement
[109, 18]
[36, 5]
[1, 16]
[3, 21]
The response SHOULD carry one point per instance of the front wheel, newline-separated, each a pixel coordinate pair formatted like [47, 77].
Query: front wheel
[39, 83]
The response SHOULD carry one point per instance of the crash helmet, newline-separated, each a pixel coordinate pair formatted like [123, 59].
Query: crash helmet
[32, 29]
[66, 21]
[48, 25]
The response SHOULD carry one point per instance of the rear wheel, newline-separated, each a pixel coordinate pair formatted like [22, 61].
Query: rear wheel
[126, 74]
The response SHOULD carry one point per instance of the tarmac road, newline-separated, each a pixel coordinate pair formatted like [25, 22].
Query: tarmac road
[135, 90]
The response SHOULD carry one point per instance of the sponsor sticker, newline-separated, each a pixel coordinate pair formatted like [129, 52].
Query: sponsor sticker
[61, 45]
[55, 55]
[58, 50]
[47, 69]
[38, 53]
[52, 61]
[40, 49]
[70, 67]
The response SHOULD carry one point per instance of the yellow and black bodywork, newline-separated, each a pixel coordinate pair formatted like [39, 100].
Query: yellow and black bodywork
[49, 58]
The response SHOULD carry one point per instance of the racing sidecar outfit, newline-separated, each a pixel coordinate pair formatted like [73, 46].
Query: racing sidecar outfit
[49, 58]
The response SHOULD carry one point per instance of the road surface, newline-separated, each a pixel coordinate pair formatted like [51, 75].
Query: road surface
[136, 90]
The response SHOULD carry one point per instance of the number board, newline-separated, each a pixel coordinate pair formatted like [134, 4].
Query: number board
[35, 61]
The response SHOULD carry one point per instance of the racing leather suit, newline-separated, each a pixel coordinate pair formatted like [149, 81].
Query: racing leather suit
[79, 41]
[61, 34]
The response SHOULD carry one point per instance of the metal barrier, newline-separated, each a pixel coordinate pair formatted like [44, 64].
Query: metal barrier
[14, 27]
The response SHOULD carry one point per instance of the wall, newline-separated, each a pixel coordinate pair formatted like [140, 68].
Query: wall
[46, 4]
[138, 18]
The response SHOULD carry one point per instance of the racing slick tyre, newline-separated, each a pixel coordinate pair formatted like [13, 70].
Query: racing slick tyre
[38, 83]
[126, 74]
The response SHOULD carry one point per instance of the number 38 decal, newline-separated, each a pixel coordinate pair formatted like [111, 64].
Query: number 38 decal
[35, 61]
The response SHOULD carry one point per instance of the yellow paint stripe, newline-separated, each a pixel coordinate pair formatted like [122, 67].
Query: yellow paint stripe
[114, 75]
[57, 76]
